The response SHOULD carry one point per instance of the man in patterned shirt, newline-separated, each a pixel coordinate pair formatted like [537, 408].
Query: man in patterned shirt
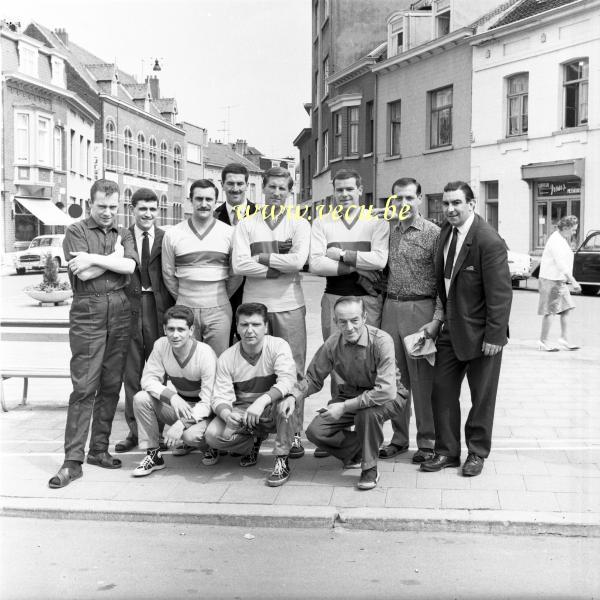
[411, 306]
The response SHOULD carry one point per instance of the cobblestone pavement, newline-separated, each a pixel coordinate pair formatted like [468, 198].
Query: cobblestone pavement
[543, 472]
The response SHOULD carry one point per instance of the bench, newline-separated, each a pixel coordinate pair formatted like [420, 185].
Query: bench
[31, 330]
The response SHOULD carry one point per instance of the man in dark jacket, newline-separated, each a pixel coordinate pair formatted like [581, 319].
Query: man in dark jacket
[474, 284]
[149, 299]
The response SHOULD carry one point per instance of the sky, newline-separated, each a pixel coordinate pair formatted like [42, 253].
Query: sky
[250, 55]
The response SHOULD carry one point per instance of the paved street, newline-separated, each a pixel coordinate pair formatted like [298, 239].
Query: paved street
[159, 560]
[543, 472]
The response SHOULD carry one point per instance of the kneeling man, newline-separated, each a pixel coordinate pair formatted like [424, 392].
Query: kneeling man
[362, 363]
[253, 377]
[191, 367]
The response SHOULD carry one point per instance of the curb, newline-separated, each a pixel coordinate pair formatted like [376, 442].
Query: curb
[267, 515]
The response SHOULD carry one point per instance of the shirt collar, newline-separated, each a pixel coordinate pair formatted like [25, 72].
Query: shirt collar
[418, 223]
[363, 340]
[139, 232]
[91, 224]
[231, 209]
[464, 228]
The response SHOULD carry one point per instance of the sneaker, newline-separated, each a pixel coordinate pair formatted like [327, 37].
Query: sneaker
[297, 450]
[252, 457]
[280, 473]
[211, 457]
[368, 479]
[182, 449]
[153, 461]
[320, 453]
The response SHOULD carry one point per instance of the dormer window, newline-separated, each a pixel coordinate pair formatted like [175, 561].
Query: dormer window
[442, 23]
[58, 72]
[395, 35]
[28, 59]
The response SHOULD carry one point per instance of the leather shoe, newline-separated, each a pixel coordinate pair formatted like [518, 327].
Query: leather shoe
[473, 465]
[392, 450]
[104, 460]
[125, 445]
[439, 462]
[423, 455]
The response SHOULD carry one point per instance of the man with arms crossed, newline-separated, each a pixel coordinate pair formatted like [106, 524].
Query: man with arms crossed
[149, 299]
[361, 361]
[270, 250]
[190, 366]
[196, 259]
[474, 284]
[101, 257]
[410, 306]
[253, 376]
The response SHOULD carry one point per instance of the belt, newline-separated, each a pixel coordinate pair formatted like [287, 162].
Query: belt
[402, 298]
[98, 294]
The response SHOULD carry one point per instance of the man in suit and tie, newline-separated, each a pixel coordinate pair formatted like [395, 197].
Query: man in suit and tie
[234, 179]
[474, 284]
[149, 299]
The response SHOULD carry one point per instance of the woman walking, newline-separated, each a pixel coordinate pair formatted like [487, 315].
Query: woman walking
[556, 272]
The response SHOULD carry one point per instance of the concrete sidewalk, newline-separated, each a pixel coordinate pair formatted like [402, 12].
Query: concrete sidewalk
[543, 475]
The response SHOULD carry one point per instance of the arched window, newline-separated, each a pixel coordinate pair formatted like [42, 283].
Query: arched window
[128, 149]
[109, 144]
[141, 153]
[177, 163]
[163, 208]
[127, 217]
[163, 160]
[153, 157]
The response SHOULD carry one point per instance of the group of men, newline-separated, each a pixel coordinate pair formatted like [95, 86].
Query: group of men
[224, 287]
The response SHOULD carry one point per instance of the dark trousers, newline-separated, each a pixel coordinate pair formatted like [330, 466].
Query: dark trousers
[337, 438]
[144, 332]
[235, 301]
[99, 338]
[482, 375]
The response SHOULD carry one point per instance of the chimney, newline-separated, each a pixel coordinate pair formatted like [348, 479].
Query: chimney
[241, 147]
[63, 36]
[154, 87]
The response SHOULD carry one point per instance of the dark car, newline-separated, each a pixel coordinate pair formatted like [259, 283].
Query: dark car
[586, 266]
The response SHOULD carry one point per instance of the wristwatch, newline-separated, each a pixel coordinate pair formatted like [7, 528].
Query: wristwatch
[342, 254]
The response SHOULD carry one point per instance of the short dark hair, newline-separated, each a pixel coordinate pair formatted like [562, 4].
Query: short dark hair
[204, 184]
[278, 172]
[107, 186]
[348, 174]
[350, 300]
[251, 308]
[235, 169]
[144, 194]
[404, 181]
[179, 312]
[453, 186]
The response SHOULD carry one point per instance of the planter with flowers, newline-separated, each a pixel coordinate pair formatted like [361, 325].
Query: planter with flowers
[52, 290]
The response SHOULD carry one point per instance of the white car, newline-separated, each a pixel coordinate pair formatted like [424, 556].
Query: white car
[520, 267]
[34, 258]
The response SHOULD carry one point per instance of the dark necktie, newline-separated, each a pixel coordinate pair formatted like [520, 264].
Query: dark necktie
[451, 253]
[145, 276]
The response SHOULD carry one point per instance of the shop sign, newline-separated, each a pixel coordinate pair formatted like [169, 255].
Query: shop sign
[558, 188]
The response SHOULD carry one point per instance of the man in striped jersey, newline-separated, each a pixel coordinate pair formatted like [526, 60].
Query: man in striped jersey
[190, 365]
[196, 267]
[253, 378]
[270, 249]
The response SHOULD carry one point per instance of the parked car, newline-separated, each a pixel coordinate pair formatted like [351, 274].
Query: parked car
[520, 267]
[586, 264]
[34, 257]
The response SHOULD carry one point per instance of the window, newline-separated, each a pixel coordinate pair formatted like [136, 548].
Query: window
[440, 123]
[194, 153]
[324, 76]
[109, 144]
[82, 156]
[394, 143]
[58, 148]
[28, 59]
[22, 138]
[177, 213]
[434, 209]
[353, 117]
[177, 163]
[43, 141]
[370, 129]
[127, 215]
[491, 203]
[163, 208]
[517, 101]
[325, 156]
[153, 158]
[576, 75]
[58, 72]
[128, 149]
[141, 153]
[88, 159]
[442, 22]
[337, 134]
[74, 151]
[163, 160]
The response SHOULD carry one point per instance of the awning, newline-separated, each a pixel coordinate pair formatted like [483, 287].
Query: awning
[45, 210]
